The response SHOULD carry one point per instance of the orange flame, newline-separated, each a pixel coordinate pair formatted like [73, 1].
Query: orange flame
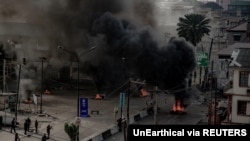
[98, 96]
[144, 92]
[178, 107]
[46, 91]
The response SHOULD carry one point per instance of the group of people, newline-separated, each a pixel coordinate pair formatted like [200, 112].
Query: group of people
[27, 124]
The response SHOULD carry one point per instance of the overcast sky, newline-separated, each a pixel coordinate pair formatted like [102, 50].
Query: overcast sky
[208, 0]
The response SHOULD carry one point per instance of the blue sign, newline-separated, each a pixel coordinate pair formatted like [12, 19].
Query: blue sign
[122, 100]
[84, 107]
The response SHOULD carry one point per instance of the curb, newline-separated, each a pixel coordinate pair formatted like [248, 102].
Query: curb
[114, 128]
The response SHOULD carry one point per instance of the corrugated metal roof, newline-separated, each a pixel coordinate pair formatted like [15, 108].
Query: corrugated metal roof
[229, 50]
[234, 19]
[226, 51]
[240, 27]
[244, 57]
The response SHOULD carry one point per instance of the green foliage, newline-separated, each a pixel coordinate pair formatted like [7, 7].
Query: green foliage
[193, 27]
[72, 130]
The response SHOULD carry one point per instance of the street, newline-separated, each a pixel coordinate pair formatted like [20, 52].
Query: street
[194, 114]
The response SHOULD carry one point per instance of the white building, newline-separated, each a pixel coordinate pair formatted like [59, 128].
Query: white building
[239, 95]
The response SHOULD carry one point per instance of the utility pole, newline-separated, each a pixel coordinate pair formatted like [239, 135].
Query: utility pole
[155, 104]
[128, 109]
[41, 100]
[215, 98]
[209, 58]
[211, 111]
[4, 75]
[18, 86]
[128, 116]
[122, 95]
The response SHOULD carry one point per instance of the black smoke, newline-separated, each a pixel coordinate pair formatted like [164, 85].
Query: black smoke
[123, 31]
[130, 51]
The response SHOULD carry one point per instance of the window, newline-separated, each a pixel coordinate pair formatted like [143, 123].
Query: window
[244, 76]
[242, 107]
[237, 37]
[248, 34]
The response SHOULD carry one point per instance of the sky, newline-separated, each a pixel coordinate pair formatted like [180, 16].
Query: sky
[207, 0]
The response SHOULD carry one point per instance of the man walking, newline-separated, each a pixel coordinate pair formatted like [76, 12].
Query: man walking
[13, 125]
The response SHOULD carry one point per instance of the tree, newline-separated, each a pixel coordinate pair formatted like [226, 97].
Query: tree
[193, 27]
[71, 129]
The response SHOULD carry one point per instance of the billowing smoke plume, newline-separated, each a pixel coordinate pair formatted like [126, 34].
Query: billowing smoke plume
[136, 51]
[122, 30]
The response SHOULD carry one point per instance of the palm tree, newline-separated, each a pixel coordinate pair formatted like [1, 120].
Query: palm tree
[193, 27]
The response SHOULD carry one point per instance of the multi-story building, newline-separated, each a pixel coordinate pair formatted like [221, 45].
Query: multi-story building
[238, 109]
[239, 33]
[239, 8]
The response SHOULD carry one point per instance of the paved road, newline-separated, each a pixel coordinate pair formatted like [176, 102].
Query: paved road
[60, 107]
[194, 114]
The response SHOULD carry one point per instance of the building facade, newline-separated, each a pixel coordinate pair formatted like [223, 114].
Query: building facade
[238, 110]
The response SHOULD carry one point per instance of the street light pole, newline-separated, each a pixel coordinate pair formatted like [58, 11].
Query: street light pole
[18, 87]
[128, 116]
[41, 100]
[78, 87]
[77, 57]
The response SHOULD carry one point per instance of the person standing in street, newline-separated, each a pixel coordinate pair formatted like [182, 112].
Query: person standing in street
[36, 125]
[17, 138]
[119, 124]
[28, 123]
[48, 130]
[25, 127]
[13, 125]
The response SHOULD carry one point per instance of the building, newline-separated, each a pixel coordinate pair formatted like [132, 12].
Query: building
[223, 3]
[239, 8]
[238, 109]
[239, 33]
